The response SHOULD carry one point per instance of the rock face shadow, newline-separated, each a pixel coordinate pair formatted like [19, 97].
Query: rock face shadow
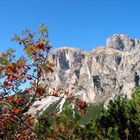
[136, 79]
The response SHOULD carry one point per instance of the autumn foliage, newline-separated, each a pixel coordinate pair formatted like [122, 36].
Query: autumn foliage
[15, 99]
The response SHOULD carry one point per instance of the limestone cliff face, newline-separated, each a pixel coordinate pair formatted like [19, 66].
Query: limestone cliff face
[93, 72]
[101, 73]
[0, 54]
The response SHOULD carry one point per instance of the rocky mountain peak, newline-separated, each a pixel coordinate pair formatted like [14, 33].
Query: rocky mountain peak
[97, 75]
[122, 42]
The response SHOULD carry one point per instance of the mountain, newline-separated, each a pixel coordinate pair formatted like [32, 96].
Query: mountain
[0, 54]
[95, 76]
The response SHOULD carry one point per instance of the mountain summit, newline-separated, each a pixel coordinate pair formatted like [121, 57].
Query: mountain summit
[122, 42]
[97, 75]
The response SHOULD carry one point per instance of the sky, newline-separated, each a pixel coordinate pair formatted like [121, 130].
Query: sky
[81, 24]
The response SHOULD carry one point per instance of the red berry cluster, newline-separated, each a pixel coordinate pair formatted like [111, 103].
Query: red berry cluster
[81, 104]
[55, 94]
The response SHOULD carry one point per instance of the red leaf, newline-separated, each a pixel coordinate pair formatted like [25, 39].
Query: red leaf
[16, 111]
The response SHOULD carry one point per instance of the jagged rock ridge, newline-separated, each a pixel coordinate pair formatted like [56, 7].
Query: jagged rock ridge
[99, 74]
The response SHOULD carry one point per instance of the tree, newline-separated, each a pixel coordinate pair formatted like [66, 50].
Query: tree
[15, 101]
[15, 122]
[121, 119]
